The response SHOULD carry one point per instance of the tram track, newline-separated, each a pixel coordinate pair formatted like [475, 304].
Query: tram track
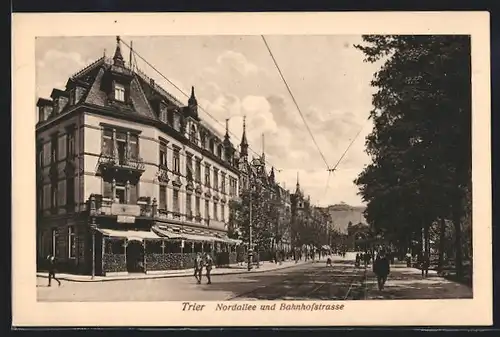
[289, 287]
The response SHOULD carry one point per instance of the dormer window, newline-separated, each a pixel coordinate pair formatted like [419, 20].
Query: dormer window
[163, 112]
[192, 135]
[211, 145]
[119, 92]
[219, 151]
[72, 97]
[55, 107]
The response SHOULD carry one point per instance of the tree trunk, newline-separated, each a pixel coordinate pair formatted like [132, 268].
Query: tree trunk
[426, 242]
[458, 244]
[442, 238]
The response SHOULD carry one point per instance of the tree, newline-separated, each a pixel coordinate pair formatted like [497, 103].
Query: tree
[421, 142]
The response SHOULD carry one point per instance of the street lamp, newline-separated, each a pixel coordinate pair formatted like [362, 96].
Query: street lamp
[93, 229]
[92, 212]
[250, 243]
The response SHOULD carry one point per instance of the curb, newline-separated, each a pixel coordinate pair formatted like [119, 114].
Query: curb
[254, 271]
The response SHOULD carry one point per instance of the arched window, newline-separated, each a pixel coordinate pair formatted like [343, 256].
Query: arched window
[192, 135]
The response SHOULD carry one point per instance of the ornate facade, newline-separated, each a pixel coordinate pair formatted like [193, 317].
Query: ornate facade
[273, 199]
[128, 178]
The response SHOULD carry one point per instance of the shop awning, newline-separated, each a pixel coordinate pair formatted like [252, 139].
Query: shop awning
[130, 234]
[233, 241]
[164, 233]
[200, 238]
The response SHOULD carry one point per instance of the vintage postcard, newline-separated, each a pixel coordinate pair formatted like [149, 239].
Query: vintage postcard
[251, 169]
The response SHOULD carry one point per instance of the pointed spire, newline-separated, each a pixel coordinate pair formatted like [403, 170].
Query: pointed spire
[226, 136]
[297, 187]
[192, 99]
[118, 58]
[271, 175]
[244, 142]
[130, 55]
[263, 151]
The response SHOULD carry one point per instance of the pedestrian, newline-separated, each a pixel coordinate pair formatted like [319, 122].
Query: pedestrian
[425, 265]
[381, 268]
[408, 259]
[198, 267]
[52, 269]
[208, 267]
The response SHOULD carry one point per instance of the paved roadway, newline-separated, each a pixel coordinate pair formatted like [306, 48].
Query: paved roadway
[302, 282]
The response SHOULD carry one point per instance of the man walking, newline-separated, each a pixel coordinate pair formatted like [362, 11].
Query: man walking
[208, 266]
[425, 265]
[381, 268]
[52, 270]
[198, 267]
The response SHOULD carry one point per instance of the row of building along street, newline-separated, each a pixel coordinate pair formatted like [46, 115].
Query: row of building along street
[130, 180]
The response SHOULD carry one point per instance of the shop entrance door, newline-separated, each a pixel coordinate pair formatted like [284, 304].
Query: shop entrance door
[135, 257]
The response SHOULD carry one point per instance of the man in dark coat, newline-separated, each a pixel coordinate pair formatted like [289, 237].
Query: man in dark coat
[425, 265]
[198, 267]
[52, 270]
[381, 268]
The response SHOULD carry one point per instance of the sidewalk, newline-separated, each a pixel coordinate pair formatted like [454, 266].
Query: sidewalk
[404, 282]
[232, 269]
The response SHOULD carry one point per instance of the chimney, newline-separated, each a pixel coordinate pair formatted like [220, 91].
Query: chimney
[152, 82]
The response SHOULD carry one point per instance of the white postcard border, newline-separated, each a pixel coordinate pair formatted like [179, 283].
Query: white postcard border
[28, 312]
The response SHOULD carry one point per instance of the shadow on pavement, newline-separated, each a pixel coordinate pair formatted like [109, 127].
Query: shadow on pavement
[315, 281]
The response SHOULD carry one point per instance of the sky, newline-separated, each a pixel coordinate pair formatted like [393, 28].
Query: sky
[235, 76]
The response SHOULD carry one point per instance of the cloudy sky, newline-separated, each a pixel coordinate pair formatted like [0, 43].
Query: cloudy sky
[234, 76]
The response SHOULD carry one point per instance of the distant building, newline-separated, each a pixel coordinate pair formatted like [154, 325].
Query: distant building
[276, 198]
[128, 178]
[342, 214]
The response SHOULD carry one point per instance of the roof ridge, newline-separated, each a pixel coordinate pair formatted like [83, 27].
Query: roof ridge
[157, 87]
[87, 68]
[144, 97]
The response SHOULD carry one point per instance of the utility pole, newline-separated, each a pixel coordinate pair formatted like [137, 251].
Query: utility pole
[93, 228]
[250, 243]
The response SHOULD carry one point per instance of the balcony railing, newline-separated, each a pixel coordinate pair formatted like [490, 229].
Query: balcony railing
[121, 162]
[106, 206]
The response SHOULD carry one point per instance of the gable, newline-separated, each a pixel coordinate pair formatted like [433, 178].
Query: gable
[97, 96]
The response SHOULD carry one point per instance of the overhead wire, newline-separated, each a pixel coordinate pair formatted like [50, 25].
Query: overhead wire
[295, 102]
[186, 95]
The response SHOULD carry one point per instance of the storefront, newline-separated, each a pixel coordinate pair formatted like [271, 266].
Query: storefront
[158, 249]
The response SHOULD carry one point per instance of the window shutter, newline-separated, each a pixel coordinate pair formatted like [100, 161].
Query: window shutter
[61, 197]
[107, 189]
[133, 193]
[62, 147]
[46, 154]
[46, 196]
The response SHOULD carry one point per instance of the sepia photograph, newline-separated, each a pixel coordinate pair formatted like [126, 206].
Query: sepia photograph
[305, 171]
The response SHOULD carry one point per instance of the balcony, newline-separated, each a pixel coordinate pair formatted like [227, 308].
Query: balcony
[99, 205]
[107, 164]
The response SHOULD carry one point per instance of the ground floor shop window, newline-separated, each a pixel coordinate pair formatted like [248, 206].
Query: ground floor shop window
[154, 247]
[115, 247]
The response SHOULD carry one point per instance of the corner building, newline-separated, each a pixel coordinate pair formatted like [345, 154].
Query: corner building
[128, 178]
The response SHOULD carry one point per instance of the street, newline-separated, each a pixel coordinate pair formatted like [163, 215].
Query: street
[311, 281]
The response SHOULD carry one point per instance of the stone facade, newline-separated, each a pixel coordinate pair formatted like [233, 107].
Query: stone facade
[113, 137]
